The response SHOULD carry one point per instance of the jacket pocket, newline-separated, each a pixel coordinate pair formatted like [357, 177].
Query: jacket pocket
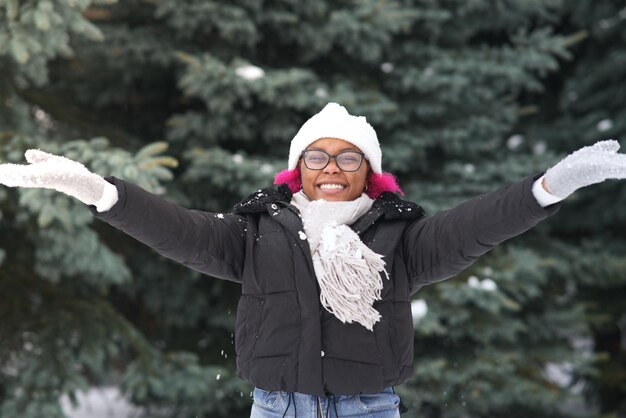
[249, 313]
[352, 342]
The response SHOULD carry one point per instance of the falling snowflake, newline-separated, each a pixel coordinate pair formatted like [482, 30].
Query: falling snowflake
[604, 125]
[487, 285]
[419, 309]
[250, 72]
[386, 67]
[539, 148]
[321, 92]
[514, 141]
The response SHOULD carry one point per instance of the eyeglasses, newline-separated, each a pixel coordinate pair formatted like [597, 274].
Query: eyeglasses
[346, 161]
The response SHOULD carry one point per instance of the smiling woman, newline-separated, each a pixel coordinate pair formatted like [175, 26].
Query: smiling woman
[327, 258]
[330, 181]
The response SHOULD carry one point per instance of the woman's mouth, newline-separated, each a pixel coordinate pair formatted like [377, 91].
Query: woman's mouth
[331, 188]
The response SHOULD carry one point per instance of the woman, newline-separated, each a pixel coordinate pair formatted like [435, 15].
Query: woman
[328, 258]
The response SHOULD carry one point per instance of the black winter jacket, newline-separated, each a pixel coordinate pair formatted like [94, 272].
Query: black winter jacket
[284, 339]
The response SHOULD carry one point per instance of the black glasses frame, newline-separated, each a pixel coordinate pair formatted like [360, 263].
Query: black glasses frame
[330, 157]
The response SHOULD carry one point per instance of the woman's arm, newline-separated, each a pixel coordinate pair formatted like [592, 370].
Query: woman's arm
[207, 242]
[211, 243]
[443, 245]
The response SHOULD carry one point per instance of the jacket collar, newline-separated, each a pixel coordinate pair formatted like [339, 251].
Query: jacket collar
[388, 205]
[257, 202]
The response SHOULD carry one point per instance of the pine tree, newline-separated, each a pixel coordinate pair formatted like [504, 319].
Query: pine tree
[585, 106]
[198, 101]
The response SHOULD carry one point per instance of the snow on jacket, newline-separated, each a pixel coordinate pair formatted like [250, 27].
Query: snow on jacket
[284, 339]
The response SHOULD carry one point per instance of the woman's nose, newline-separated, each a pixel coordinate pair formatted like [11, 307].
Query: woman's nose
[332, 166]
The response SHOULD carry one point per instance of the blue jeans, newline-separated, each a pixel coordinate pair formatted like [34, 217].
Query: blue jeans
[278, 404]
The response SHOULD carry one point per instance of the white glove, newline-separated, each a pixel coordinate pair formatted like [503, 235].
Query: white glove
[62, 174]
[588, 165]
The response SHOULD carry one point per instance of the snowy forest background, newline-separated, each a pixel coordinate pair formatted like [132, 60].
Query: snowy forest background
[197, 100]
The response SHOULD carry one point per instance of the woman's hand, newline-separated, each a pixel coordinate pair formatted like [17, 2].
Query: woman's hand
[588, 165]
[59, 173]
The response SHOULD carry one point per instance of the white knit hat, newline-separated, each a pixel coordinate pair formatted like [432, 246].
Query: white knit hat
[334, 121]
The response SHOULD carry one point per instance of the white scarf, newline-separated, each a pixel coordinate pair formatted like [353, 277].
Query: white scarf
[347, 271]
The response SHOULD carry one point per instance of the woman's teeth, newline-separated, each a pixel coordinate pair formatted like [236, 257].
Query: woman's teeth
[332, 186]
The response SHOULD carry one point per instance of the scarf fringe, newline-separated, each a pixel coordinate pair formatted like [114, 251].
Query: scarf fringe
[349, 275]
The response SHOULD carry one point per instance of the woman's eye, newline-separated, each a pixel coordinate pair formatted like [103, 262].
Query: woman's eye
[349, 158]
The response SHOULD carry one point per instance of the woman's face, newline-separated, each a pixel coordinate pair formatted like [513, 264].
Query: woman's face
[331, 183]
